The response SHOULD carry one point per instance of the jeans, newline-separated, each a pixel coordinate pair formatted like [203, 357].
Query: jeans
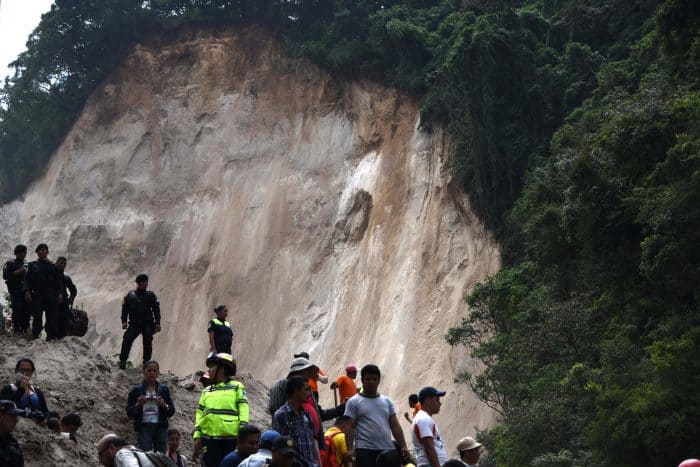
[152, 438]
[132, 332]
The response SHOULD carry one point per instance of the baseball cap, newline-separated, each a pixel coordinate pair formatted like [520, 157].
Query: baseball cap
[268, 438]
[467, 443]
[351, 369]
[429, 391]
[284, 445]
[9, 407]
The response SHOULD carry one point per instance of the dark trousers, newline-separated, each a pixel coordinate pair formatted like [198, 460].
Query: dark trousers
[213, 450]
[64, 316]
[366, 457]
[20, 312]
[44, 302]
[132, 332]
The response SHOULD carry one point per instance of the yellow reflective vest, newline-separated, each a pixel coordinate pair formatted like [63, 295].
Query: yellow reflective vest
[223, 409]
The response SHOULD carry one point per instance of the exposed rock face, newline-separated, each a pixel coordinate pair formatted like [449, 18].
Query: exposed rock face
[318, 211]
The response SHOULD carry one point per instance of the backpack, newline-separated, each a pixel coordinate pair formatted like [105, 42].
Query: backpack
[328, 455]
[78, 323]
[152, 458]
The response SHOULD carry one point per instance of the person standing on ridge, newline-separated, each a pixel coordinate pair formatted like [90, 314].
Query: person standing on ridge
[427, 442]
[142, 308]
[42, 289]
[222, 411]
[375, 420]
[220, 332]
[13, 273]
[68, 287]
[346, 384]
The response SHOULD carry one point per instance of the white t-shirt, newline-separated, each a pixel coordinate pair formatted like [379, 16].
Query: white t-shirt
[425, 427]
[372, 417]
[150, 408]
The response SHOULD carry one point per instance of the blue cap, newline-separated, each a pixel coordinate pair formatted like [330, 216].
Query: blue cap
[429, 391]
[268, 438]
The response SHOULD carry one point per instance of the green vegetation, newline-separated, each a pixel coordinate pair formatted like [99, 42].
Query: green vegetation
[576, 130]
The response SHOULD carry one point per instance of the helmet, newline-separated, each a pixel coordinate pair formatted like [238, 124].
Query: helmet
[690, 463]
[224, 359]
[351, 369]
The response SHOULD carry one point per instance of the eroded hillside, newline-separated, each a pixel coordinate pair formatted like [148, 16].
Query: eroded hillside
[320, 212]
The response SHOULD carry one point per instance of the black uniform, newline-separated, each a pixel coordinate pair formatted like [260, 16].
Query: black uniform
[20, 310]
[64, 314]
[10, 452]
[43, 280]
[142, 309]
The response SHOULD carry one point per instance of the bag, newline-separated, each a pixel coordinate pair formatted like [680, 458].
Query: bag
[78, 323]
[152, 458]
[328, 455]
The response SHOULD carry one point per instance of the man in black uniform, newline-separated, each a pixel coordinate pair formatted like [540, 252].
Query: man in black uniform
[13, 273]
[142, 308]
[42, 289]
[64, 314]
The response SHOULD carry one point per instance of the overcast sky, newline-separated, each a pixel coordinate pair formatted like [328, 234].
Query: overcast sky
[18, 18]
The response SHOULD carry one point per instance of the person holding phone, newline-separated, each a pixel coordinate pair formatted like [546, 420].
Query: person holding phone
[150, 405]
[25, 395]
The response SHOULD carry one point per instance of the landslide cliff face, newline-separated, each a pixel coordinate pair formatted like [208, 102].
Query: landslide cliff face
[318, 211]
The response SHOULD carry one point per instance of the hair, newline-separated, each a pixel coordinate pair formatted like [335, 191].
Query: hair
[41, 246]
[151, 362]
[370, 370]
[117, 442]
[21, 249]
[62, 258]
[248, 430]
[24, 359]
[343, 419]
[172, 431]
[453, 463]
[293, 383]
[220, 308]
[413, 398]
[390, 458]
[72, 419]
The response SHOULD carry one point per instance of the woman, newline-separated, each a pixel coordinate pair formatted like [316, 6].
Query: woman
[24, 394]
[150, 405]
[174, 448]
[220, 332]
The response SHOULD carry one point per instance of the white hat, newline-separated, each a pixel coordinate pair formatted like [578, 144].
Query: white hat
[467, 443]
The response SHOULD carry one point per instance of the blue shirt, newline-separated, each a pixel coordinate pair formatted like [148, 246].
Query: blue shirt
[298, 427]
[232, 459]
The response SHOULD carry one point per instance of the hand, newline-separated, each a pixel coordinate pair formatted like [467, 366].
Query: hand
[157, 327]
[334, 385]
[140, 401]
[20, 271]
[28, 296]
[124, 326]
[197, 446]
[161, 403]
[405, 455]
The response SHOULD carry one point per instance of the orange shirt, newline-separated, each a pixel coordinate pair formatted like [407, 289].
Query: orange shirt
[313, 384]
[346, 387]
[416, 408]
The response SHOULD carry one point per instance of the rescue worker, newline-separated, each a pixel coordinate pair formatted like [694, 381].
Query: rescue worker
[42, 290]
[220, 333]
[69, 292]
[222, 410]
[142, 308]
[13, 273]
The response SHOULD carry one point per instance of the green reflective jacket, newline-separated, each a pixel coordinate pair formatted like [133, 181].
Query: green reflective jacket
[222, 410]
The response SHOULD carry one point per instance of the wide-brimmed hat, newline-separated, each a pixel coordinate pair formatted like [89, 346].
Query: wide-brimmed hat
[467, 444]
[300, 364]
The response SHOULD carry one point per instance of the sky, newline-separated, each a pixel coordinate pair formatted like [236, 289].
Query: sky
[18, 18]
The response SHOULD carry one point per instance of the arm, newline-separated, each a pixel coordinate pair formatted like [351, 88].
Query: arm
[170, 410]
[405, 414]
[322, 377]
[243, 408]
[156, 310]
[42, 401]
[71, 288]
[429, 446]
[398, 434]
[198, 419]
[125, 310]
[133, 404]
[212, 345]
[317, 453]
[7, 272]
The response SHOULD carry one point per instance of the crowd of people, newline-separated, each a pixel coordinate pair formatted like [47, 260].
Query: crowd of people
[365, 432]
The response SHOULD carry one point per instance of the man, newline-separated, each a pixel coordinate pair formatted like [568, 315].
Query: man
[69, 292]
[247, 445]
[283, 452]
[375, 420]
[264, 454]
[292, 420]
[346, 384]
[70, 423]
[338, 439]
[142, 308]
[413, 404]
[469, 451]
[113, 451]
[13, 273]
[222, 411]
[313, 381]
[10, 451]
[427, 442]
[42, 290]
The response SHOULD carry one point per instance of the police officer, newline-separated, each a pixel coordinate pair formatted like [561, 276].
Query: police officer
[69, 292]
[142, 308]
[42, 289]
[13, 273]
[222, 410]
